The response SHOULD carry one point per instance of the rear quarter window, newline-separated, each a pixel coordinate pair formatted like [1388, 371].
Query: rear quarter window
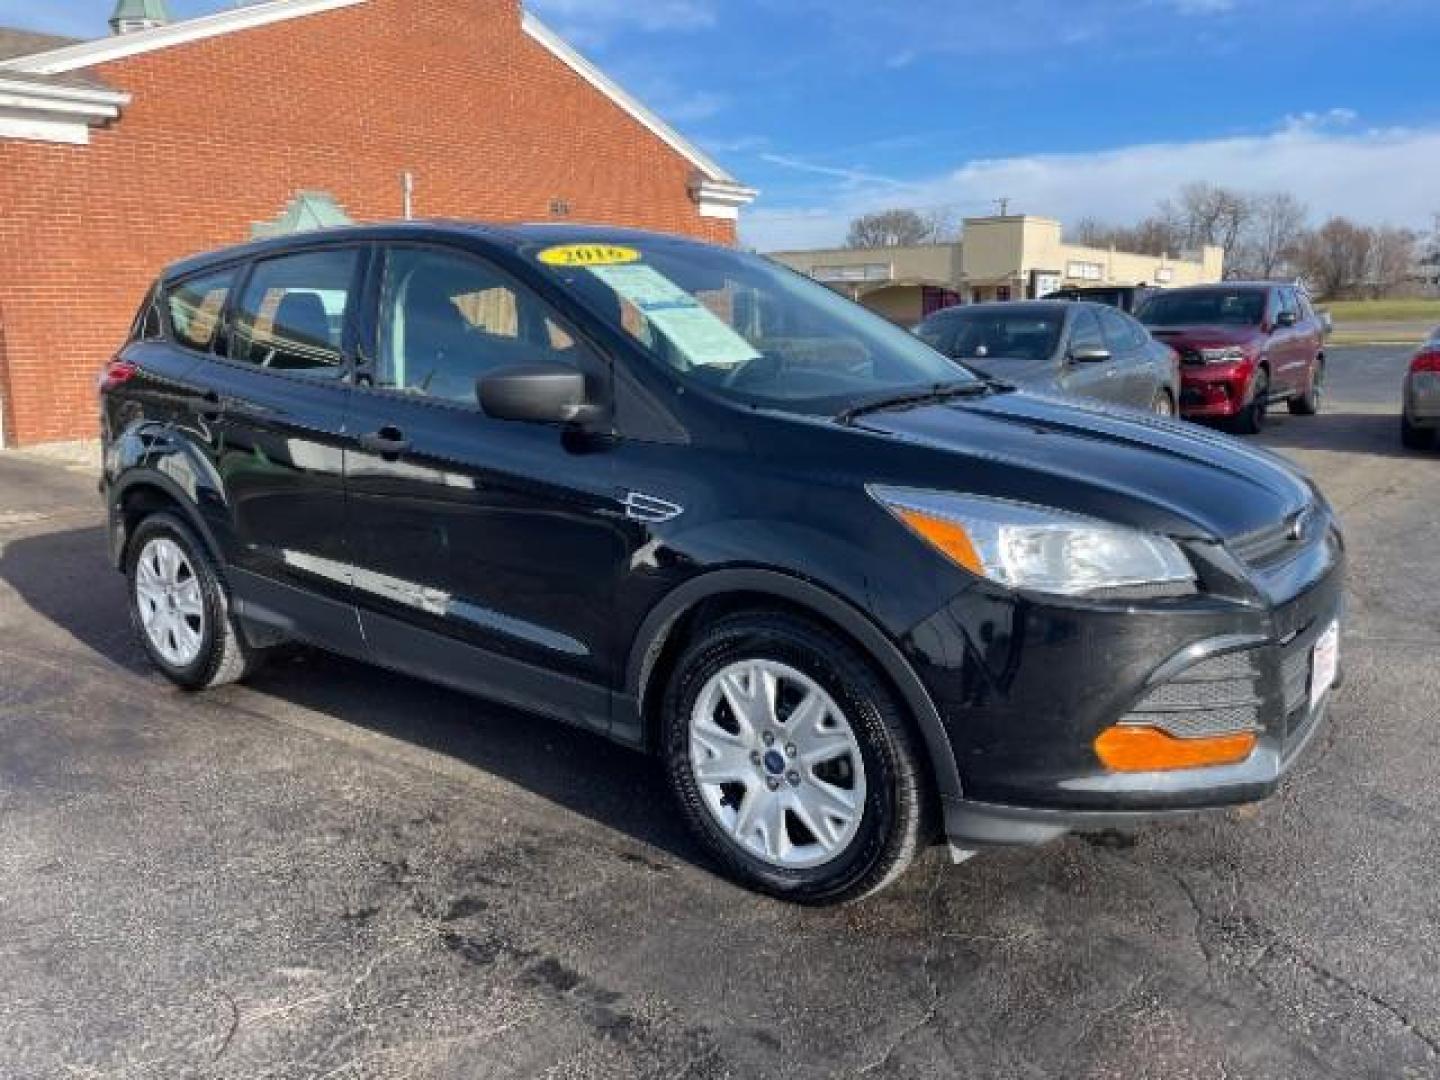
[196, 306]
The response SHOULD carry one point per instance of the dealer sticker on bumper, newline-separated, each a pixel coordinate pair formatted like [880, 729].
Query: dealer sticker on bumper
[1324, 664]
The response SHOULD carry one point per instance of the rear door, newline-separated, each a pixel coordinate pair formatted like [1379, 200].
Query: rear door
[275, 416]
[486, 551]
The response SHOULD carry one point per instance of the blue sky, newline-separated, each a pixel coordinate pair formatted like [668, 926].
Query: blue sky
[1067, 107]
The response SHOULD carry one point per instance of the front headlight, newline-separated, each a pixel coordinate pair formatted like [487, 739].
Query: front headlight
[1231, 354]
[1035, 548]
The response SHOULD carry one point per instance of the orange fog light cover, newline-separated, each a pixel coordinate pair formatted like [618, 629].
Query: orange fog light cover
[1147, 749]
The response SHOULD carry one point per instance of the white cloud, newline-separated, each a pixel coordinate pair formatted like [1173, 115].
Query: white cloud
[1376, 175]
[593, 22]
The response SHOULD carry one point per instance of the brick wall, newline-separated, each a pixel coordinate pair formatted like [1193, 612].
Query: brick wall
[224, 132]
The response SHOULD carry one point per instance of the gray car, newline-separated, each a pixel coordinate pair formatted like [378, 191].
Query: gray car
[1420, 419]
[1089, 350]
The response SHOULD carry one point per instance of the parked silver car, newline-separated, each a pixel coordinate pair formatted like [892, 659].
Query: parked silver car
[1420, 417]
[1089, 350]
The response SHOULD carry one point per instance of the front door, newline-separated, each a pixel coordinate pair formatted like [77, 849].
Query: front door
[1089, 378]
[486, 552]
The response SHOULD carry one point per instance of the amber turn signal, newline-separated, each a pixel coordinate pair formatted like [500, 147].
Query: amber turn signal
[1147, 749]
[949, 537]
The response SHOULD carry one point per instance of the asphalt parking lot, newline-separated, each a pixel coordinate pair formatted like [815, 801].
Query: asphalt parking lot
[335, 872]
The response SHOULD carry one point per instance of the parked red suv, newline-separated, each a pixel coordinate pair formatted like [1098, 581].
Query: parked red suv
[1243, 347]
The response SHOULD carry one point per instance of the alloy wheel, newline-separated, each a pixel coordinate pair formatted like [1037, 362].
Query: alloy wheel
[778, 765]
[170, 603]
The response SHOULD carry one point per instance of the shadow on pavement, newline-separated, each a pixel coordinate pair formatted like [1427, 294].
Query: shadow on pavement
[65, 578]
[1372, 434]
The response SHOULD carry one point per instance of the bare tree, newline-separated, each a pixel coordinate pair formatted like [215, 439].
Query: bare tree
[894, 228]
[1335, 257]
[1276, 222]
[1207, 214]
[1391, 259]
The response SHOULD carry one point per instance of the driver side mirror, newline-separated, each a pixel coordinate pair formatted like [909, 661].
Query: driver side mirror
[535, 394]
[1285, 318]
[1089, 354]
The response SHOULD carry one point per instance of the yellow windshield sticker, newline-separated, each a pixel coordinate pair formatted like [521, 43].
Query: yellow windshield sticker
[589, 255]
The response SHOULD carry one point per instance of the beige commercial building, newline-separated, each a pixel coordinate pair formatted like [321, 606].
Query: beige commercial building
[997, 258]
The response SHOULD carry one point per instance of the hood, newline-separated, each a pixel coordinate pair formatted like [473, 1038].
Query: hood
[1206, 337]
[1114, 464]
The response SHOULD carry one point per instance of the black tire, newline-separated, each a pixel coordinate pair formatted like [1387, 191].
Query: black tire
[895, 821]
[1308, 403]
[1251, 419]
[1413, 437]
[224, 656]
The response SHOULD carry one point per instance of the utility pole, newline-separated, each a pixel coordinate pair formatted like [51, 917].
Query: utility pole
[1004, 205]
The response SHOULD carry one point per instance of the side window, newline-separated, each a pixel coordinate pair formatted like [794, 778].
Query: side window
[291, 316]
[1085, 332]
[196, 306]
[447, 318]
[1117, 332]
[1281, 302]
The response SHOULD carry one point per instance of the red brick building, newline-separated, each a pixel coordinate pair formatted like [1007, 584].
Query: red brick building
[120, 155]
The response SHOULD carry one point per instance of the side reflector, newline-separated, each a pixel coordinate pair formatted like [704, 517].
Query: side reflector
[1146, 749]
[949, 537]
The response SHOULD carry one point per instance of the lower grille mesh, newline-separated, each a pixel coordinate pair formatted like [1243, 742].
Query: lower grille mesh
[1215, 697]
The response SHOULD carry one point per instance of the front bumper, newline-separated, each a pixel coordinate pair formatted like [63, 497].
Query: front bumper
[1215, 390]
[1039, 682]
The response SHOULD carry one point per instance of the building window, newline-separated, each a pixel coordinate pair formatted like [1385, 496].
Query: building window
[860, 272]
[1085, 271]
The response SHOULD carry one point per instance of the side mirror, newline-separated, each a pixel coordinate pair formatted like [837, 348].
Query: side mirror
[534, 393]
[1089, 354]
[1286, 318]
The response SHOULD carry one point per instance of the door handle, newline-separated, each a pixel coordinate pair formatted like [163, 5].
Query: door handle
[389, 442]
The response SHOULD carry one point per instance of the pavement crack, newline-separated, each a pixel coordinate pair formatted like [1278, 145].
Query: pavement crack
[927, 963]
[231, 1030]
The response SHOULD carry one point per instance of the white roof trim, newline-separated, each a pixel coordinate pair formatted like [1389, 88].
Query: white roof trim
[723, 201]
[54, 113]
[618, 94]
[103, 50]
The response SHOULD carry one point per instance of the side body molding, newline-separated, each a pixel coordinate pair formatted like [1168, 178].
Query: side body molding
[660, 623]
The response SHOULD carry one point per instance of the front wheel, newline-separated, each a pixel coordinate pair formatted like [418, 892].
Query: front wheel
[792, 761]
[1250, 420]
[180, 610]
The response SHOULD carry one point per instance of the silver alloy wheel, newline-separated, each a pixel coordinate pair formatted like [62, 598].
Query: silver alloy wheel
[168, 598]
[777, 764]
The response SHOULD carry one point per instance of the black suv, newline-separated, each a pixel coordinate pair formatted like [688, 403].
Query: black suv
[852, 593]
[1128, 298]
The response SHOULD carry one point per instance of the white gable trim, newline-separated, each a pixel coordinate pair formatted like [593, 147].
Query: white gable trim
[56, 114]
[102, 51]
[618, 94]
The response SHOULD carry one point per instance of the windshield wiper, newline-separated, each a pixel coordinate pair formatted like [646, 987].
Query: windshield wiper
[913, 398]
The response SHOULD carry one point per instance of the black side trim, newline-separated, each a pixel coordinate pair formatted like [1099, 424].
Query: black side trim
[428, 655]
[656, 629]
[295, 614]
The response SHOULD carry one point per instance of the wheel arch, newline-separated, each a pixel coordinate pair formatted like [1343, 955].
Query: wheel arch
[142, 492]
[667, 628]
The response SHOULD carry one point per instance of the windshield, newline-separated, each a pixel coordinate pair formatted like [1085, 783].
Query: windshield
[746, 327]
[1209, 307]
[996, 335]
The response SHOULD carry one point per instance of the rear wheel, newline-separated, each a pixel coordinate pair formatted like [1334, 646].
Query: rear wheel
[1250, 420]
[180, 610]
[1308, 403]
[1413, 437]
[792, 761]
